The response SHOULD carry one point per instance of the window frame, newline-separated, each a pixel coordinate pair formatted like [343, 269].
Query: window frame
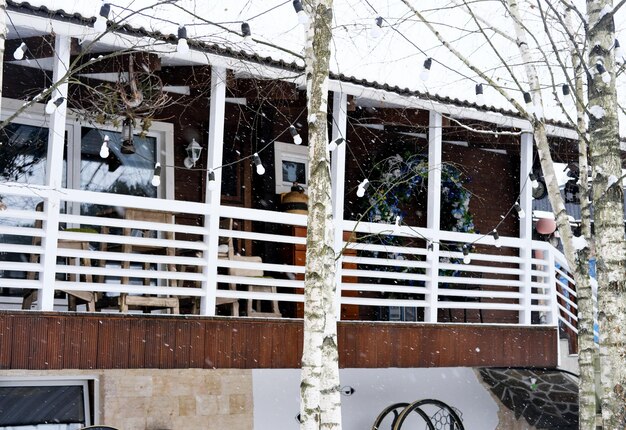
[89, 396]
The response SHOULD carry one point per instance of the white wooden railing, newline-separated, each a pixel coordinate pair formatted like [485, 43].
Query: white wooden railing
[390, 271]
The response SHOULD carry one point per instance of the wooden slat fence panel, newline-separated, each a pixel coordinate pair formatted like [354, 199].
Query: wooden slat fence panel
[42, 340]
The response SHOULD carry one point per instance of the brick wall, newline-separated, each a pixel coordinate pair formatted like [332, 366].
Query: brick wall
[153, 399]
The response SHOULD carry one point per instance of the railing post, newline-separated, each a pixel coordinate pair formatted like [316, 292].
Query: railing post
[54, 174]
[434, 213]
[338, 174]
[212, 216]
[525, 226]
[553, 316]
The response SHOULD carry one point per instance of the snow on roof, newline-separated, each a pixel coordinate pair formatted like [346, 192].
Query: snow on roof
[393, 59]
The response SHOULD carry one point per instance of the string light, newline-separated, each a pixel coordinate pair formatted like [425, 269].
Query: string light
[20, 51]
[294, 134]
[212, 184]
[529, 103]
[183, 46]
[480, 98]
[333, 144]
[100, 25]
[466, 255]
[606, 77]
[567, 98]
[156, 177]
[619, 52]
[496, 238]
[363, 186]
[430, 246]
[53, 104]
[533, 180]
[425, 73]
[303, 18]
[246, 32]
[104, 149]
[520, 212]
[377, 30]
[260, 170]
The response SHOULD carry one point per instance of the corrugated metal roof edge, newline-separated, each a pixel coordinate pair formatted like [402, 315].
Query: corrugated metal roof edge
[60, 14]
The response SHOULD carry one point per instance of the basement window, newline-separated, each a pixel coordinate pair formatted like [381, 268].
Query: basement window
[46, 403]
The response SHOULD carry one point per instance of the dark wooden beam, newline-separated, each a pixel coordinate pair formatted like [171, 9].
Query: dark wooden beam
[38, 47]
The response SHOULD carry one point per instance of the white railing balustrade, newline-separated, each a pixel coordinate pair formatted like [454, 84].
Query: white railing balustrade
[105, 245]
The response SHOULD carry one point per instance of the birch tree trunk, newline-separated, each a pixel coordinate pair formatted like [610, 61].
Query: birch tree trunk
[577, 260]
[608, 202]
[320, 401]
[587, 350]
[3, 36]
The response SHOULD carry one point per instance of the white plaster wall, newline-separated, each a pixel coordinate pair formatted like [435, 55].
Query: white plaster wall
[276, 393]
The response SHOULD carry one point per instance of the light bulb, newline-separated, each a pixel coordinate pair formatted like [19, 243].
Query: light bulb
[182, 47]
[533, 181]
[53, 104]
[496, 239]
[360, 191]
[260, 170]
[104, 149]
[100, 25]
[619, 52]
[425, 73]
[19, 52]
[297, 139]
[156, 178]
[466, 255]
[480, 98]
[303, 18]
[333, 144]
[530, 108]
[398, 220]
[376, 31]
[212, 183]
[520, 212]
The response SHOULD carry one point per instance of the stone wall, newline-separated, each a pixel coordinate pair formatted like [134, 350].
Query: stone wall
[154, 399]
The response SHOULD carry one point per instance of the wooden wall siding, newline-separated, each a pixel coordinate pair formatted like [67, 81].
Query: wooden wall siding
[34, 340]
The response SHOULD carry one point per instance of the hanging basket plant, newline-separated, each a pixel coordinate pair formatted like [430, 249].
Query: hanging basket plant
[133, 98]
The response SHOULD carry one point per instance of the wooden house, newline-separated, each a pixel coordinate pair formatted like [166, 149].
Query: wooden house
[162, 279]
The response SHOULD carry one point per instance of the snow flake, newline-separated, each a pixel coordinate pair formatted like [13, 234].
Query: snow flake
[597, 111]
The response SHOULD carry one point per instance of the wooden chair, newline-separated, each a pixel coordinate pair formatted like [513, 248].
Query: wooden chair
[88, 297]
[254, 307]
[130, 230]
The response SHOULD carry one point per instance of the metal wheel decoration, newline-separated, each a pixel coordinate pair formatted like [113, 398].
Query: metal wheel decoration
[446, 417]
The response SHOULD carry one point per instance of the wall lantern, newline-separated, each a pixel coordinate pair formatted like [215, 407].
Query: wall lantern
[127, 138]
[193, 154]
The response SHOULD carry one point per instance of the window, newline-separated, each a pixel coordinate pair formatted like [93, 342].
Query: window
[291, 165]
[37, 401]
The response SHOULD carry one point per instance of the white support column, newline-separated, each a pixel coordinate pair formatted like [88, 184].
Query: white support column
[526, 225]
[54, 174]
[214, 159]
[338, 176]
[433, 217]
